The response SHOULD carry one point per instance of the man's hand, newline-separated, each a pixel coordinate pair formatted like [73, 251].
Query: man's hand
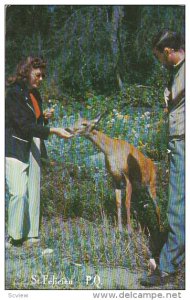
[61, 133]
[167, 95]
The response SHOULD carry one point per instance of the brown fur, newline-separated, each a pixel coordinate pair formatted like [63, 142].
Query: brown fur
[123, 162]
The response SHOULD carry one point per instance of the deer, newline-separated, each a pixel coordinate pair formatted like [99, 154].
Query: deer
[123, 162]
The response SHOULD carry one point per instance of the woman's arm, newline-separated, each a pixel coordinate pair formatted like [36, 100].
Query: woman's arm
[19, 116]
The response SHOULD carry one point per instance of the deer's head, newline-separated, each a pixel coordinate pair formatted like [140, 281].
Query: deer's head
[83, 126]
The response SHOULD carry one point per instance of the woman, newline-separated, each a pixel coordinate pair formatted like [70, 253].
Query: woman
[24, 135]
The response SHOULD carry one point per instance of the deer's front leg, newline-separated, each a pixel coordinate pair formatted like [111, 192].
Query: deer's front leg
[128, 203]
[118, 204]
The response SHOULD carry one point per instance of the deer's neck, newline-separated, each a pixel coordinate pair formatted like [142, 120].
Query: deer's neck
[101, 140]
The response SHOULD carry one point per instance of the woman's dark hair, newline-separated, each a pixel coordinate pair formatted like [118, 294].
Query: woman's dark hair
[167, 38]
[24, 67]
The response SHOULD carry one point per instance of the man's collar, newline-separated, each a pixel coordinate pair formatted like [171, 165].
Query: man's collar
[179, 63]
[176, 67]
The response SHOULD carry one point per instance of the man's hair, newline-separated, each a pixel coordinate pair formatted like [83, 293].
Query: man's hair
[168, 38]
[24, 67]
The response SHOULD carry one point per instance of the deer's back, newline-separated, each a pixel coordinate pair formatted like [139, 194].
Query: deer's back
[124, 158]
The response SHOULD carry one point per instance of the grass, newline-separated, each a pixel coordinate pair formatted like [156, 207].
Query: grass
[78, 244]
[81, 249]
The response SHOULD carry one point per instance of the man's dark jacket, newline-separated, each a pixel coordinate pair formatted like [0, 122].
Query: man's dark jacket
[21, 124]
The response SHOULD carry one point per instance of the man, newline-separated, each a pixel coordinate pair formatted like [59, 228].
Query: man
[168, 47]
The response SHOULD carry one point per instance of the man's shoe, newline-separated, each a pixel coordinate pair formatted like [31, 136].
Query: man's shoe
[13, 243]
[156, 278]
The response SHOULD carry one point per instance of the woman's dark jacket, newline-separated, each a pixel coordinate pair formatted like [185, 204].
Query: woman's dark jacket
[21, 124]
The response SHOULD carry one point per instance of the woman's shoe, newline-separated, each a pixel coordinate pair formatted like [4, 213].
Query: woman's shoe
[13, 243]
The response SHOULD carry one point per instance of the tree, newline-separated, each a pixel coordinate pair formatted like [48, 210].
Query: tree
[117, 16]
[99, 48]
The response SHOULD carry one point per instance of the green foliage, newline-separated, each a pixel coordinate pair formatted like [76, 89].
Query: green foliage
[90, 48]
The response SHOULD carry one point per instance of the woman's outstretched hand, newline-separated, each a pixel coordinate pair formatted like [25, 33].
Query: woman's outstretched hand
[61, 133]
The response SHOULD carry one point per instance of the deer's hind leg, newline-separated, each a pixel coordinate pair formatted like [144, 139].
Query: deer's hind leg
[128, 203]
[152, 192]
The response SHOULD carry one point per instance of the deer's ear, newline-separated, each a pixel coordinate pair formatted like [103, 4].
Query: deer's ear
[97, 119]
[99, 116]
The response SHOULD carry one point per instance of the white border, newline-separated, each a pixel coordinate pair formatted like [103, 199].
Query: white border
[83, 294]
